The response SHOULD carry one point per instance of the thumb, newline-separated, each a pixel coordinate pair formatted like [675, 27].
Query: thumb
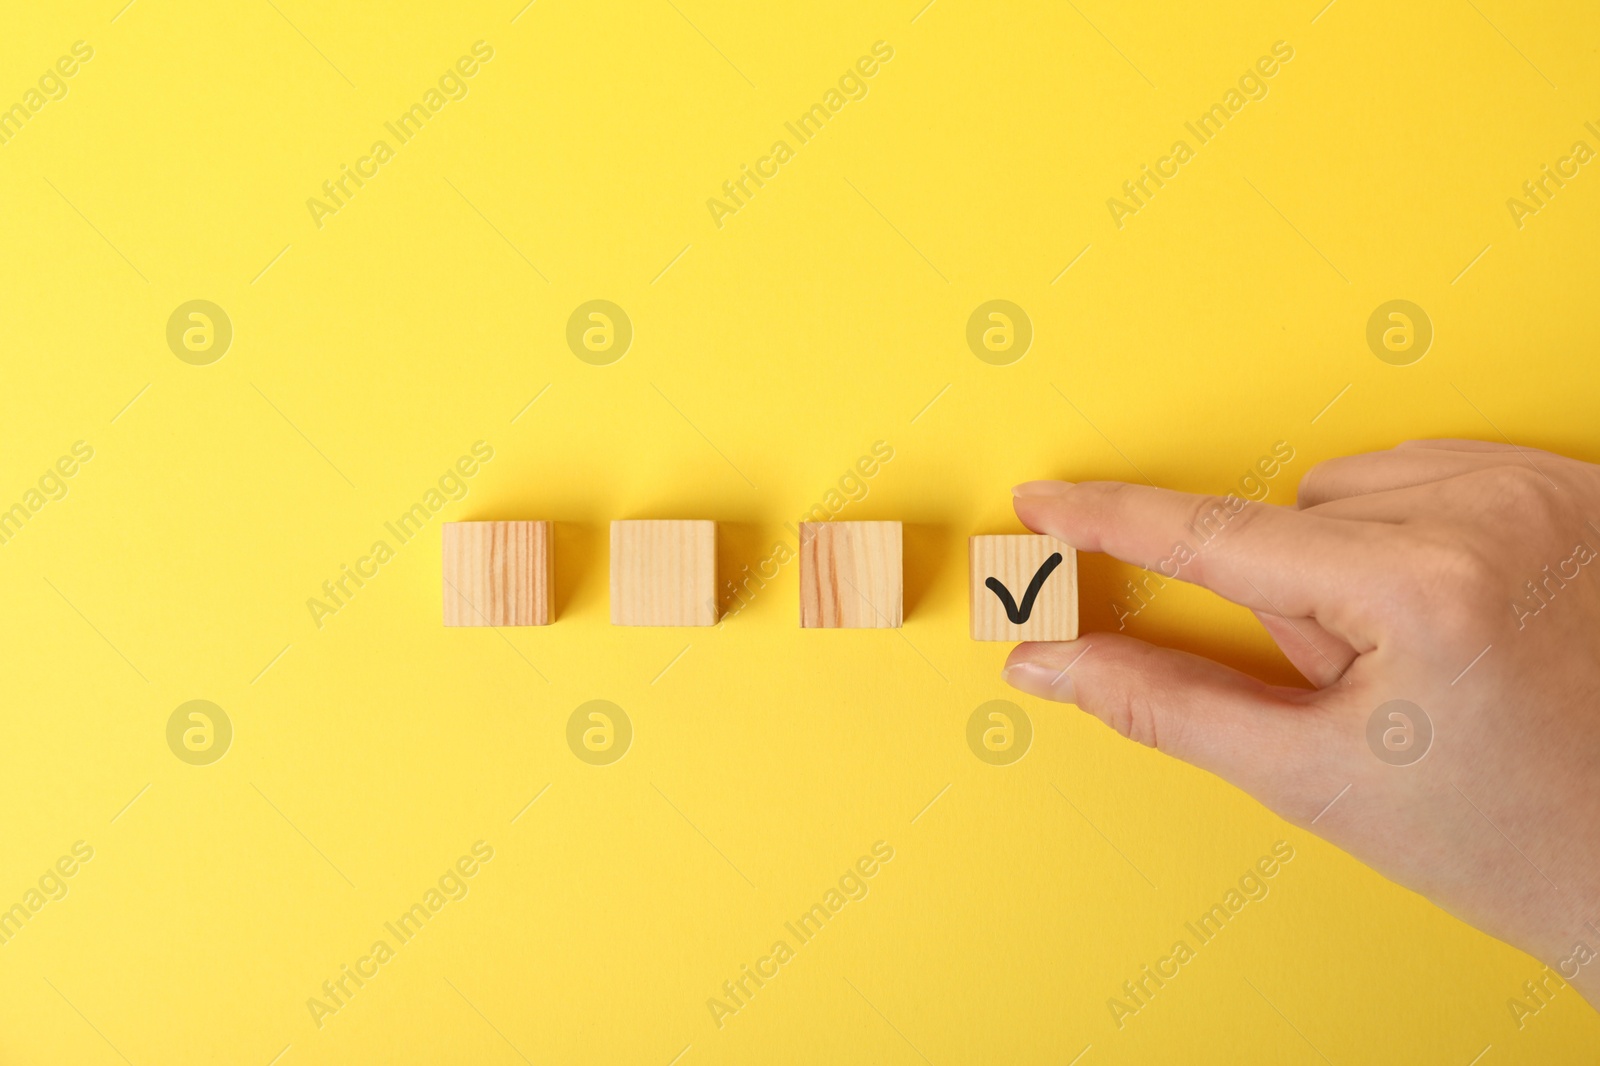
[1271, 742]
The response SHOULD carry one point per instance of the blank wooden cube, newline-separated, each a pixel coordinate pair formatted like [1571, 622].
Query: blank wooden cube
[497, 573]
[850, 575]
[1038, 576]
[664, 573]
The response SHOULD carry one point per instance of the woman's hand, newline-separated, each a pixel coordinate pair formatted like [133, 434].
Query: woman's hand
[1444, 600]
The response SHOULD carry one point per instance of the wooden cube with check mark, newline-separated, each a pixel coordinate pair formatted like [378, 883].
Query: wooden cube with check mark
[1023, 588]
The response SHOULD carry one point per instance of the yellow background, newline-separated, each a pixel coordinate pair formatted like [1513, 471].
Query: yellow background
[370, 753]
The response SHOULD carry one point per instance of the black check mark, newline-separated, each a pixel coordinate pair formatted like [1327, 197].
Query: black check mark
[1019, 615]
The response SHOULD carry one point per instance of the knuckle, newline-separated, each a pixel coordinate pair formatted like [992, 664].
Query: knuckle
[1130, 714]
[1118, 696]
[1317, 483]
[1209, 515]
[1114, 495]
[1463, 568]
[1523, 492]
[1210, 523]
[1455, 584]
[1522, 518]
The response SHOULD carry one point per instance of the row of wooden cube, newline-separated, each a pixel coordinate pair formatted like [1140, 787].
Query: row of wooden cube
[664, 573]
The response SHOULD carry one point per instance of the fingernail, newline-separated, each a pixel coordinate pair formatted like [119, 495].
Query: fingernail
[1037, 679]
[1036, 489]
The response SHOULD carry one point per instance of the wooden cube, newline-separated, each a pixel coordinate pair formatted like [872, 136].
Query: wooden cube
[497, 573]
[850, 575]
[663, 573]
[1023, 588]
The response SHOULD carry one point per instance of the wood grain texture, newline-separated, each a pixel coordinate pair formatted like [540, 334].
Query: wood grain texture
[1014, 560]
[664, 573]
[850, 575]
[497, 573]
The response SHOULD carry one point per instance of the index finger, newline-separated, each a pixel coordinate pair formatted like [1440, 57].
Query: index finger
[1271, 559]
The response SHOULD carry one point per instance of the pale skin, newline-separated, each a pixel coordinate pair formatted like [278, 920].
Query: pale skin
[1386, 581]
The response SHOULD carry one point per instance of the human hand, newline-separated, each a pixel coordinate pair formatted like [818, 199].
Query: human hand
[1458, 575]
